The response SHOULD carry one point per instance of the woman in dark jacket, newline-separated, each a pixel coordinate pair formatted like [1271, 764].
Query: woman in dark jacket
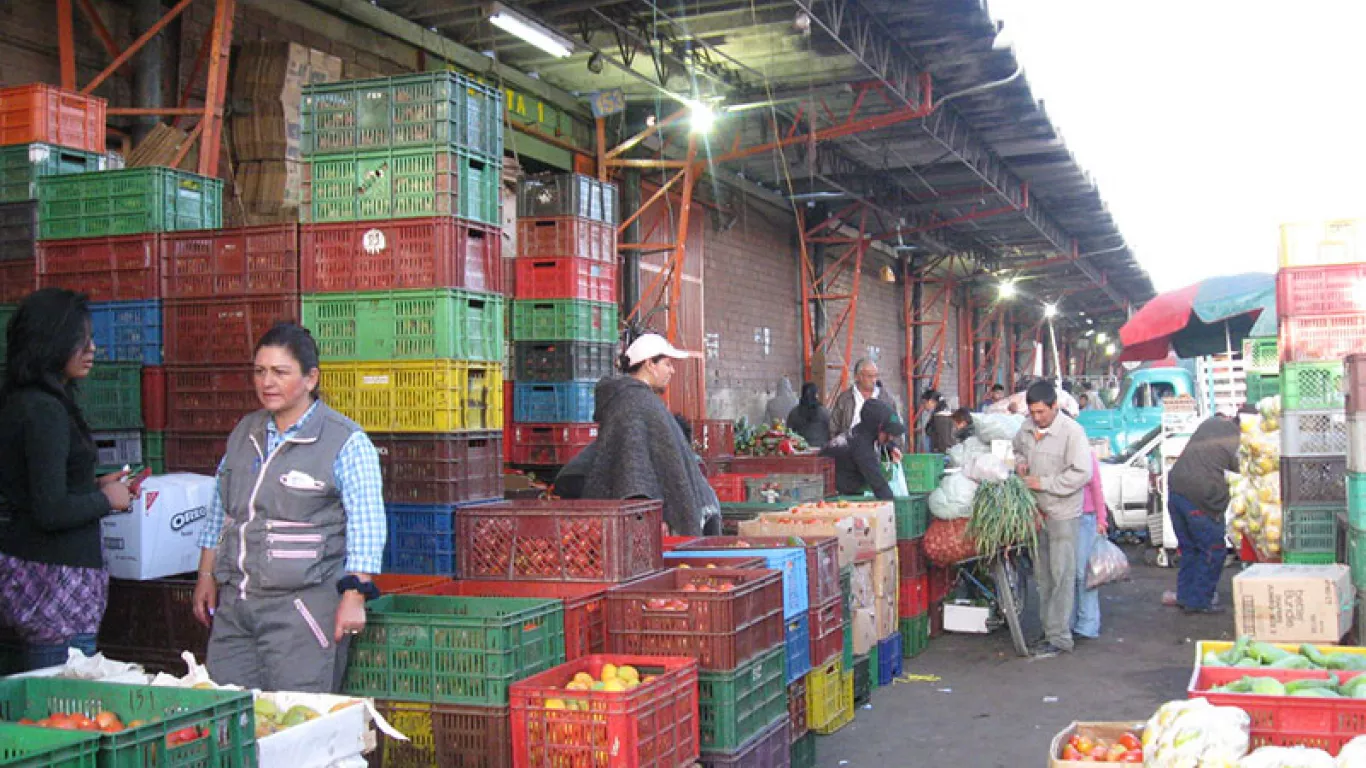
[810, 419]
[53, 585]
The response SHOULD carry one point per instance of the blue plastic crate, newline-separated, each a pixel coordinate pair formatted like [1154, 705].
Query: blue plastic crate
[790, 562]
[421, 518]
[419, 562]
[889, 659]
[564, 403]
[797, 640]
[127, 331]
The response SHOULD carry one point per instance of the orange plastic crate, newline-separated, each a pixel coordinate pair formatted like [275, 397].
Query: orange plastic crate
[46, 113]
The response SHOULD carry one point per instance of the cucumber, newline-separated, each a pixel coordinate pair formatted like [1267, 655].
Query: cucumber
[1291, 661]
[1213, 659]
[1316, 693]
[1323, 683]
[1267, 653]
[1313, 654]
[1268, 686]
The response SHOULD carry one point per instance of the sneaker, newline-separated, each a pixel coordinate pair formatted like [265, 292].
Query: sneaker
[1046, 650]
[1211, 609]
[1169, 599]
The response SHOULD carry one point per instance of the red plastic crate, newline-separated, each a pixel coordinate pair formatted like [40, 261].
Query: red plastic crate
[17, 280]
[438, 252]
[827, 631]
[668, 614]
[788, 465]
[585, 626]
[154, 398]
[440, 469]
[734, 563]
[730, 488]
[246, 261]
[1321, 290]
[566, 236]
[151, 619]
[445, 735]
[46, 113]
[208, 399]
[913, 596]
[713, 437]
[549, 445]
[1327, 724]
[221, 331]
[941, 581]
[822, 570]
[796, 708]
[578, 540]
[1327, 337]
[126, 268]
[910, 554]
[936, 619]
[407, 583]
[566, 278]
[670, 543]
[654, 725]
[196, 452]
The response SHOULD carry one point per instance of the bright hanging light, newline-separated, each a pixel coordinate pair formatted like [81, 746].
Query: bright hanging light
[1050, 310]
[1007, 289]
[531, 32]
[1102, 337]
[703, 117]
[1110, 349]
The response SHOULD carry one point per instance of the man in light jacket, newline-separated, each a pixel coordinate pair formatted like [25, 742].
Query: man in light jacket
[849, 405]
[1055, 459]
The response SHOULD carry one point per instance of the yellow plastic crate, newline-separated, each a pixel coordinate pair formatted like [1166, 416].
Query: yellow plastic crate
[1203, 647]
[417, 395]
[824, 694]
[845, 715]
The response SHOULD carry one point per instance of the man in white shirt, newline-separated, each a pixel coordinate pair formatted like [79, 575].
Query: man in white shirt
[849, 405]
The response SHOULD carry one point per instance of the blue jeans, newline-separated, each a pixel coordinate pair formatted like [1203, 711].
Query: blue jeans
[44, 656]
[1086, 616]
[1201, 538]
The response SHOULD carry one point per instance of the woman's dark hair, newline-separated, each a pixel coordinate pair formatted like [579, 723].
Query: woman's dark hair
[50, 326]
[962, 414]
[299, 342]
[811, 395]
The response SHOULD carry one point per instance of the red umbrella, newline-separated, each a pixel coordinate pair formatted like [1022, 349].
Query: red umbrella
[1208, 317]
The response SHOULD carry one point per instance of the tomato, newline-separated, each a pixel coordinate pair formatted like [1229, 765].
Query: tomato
[182, 736]
[1132, 756]
[1083, 744]
[1100, 752]
[1116, 752]
[1070, 752]
[27, 721]
[1130, 741]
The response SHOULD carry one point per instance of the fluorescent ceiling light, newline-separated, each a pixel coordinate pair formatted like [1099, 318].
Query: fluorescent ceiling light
[1109, 349]
[532, 32]
[702, 117]
[1007, 289]
[1102, 337]
[1050, 310]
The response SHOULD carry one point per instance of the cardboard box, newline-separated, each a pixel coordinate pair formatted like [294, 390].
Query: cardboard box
[1294, 603]
[1108, 732]
[886, 583]
[159, 536]
[874, 526]
[862, 528]
[885, 615]
[783, 524]
[862, 591]
[865, 630]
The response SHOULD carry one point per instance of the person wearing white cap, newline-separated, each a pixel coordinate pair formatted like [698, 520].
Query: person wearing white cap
[641, 451]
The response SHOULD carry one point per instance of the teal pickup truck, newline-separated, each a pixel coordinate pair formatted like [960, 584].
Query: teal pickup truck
[1138, 410]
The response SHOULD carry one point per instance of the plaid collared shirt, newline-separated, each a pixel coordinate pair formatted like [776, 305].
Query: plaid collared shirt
[358, 478]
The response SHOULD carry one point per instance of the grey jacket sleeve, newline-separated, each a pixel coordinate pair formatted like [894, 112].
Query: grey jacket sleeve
[1075, 474]
[842, 415]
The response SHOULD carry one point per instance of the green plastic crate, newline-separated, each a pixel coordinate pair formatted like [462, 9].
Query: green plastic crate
[734, 706]
[228, 717]
[803, 753]
[127, 202]
[111, 396]
[873, 661]
[864, 679]
[1261, 385]
[400, 184]
[1356, 500]
[1309, 534]
[923, 471]
[435, 109]
[28, 747]
[406, 325]
[154, 452]
[1261, 354]
[21, 166]
[454, 650]
[564, 320]
[1312, 386]
[915, 635]
[1356, 555]
[912, 513]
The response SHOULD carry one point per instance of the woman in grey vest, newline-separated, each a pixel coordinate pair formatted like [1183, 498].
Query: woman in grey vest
[296, 530]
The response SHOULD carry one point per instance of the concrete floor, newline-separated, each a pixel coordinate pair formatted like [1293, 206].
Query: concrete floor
[992, 708]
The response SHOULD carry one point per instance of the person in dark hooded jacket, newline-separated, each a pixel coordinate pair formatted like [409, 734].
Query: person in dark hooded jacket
[810, 419]
[857, 453]
[641, 451]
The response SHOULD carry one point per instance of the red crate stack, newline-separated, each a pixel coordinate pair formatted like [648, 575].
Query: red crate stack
[223, 289]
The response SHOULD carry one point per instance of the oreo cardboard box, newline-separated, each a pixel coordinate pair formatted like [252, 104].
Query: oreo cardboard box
[159, 536]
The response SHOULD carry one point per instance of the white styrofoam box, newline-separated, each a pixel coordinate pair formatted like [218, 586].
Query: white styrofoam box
[1356, 443]
[159, 535]
[959, 617]
[1314, 433]
[336, 738]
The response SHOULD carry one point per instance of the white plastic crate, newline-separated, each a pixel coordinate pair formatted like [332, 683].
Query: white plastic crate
[115, 449]
[1314, 433]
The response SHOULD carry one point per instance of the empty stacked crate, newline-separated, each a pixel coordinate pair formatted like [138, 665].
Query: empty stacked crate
[401, 287]
[564, 321]
[1321, 322]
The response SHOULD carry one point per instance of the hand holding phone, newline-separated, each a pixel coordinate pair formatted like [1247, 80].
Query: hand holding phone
[135, 484]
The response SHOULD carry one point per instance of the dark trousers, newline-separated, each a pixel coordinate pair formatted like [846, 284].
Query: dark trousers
[44, 656]
[1201, 537]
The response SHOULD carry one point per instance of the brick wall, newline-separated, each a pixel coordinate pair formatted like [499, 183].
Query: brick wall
[28, 45]
[753, 312]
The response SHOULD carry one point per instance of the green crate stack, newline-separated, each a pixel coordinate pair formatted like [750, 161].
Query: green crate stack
[1355, 528]
[22, 165]
[111, 397]
[1262, 385]
[803, 754]
[127, 202]
[735, 706]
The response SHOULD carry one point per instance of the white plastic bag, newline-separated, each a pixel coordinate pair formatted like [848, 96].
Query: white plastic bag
[897, 480]
[1193, 732]
[1107, 563]
[952, 500]
[1353, 754]
[1288, 757]
[996, 426]
[987, 468]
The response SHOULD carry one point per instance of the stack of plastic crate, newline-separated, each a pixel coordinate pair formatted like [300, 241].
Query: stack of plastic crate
[402, 285]
[564, 314]
[1322, 315]
[1354, 381]
[913, 609]
[223, 290]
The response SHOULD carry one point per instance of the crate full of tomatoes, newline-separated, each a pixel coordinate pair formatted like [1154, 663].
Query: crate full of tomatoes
[1097, 743]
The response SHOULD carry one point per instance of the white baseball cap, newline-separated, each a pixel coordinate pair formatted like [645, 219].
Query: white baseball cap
[648, 347]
